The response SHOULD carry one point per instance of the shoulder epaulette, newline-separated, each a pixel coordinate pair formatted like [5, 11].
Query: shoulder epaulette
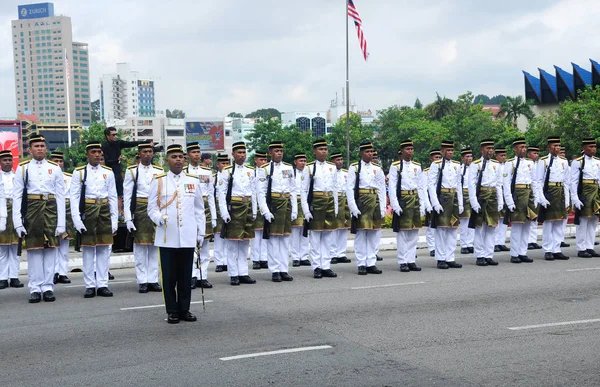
[562, 157]
[527, 158]
[455, 162]
[161, 175]
[580, 158]
[438, 161]
[396, 163]
[52, 162]
[426, 169]
[24, 162]
[511, 159]
[329, 162]
[353, 164]
[206, 168]
[597, 158]
[190, 175]
[227, 167]
[105, 167]
[311, 163]
[416, 163]
[67, 174]
[284, 163]
[132, 166]
[477, 161]
[377, 164]
[249, 166]
[80, 168]
[494, 161]
[544, 157]
[345, 170]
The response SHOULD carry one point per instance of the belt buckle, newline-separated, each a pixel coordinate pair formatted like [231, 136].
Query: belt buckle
[44, 196]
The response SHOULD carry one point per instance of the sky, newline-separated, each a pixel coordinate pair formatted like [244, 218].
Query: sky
[219, 56]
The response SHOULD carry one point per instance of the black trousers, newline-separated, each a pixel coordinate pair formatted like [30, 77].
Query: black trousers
[176, 269]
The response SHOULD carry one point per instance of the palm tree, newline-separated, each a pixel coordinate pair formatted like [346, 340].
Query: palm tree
[440, 107]
[514, 107]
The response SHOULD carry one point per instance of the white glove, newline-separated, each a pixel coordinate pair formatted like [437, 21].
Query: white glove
[398, 211]
[422, 212]
[438, 208]
[308, 216]
[544, 202]
[428, 209]
[269, 217]
[226, 218]
[21, 232]
[214, 223]
[356, 213]
[512, 207]
[253, 216]
[461, 209]
[567, 205]
[2, 224]
[130, 226]
[500, 207]
[383, 214]
[578, 204]
[115, 227]
[60, 230]
[79, 226]
[294, 216]
[200, 239]
[476, 207]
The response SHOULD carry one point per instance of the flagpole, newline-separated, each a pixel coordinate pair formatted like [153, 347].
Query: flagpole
[67, 77]
[347, 94]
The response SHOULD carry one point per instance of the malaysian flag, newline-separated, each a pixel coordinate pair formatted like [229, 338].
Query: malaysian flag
[67, 67]
[353, 13]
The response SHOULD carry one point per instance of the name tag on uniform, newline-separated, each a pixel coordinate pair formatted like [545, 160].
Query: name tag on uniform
[189, 188]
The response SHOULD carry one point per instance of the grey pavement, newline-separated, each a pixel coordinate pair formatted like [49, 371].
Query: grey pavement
[431, 328]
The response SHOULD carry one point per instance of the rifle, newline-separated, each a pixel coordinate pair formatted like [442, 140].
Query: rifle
[473, 216]
[309, 199]
[354, 221]
[227, 202]
[542, 211]
[438, 191]
[512, 192]
[579, 192]
[396, 217]
[81, 210]
[23, 211]
[267, 224]
[132, 206]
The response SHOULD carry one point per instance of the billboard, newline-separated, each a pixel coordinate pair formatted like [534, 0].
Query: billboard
[35, 11]
[209, 133]
[9, 139]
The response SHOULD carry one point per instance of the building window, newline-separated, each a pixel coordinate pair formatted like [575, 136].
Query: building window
[303, 123]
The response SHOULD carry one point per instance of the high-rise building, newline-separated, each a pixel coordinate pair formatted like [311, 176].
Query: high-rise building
[127, 94]
[40, 40]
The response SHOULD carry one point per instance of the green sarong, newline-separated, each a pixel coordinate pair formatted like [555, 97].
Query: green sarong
[488, 200]
[69, 221]
[9, 236]
[259, 222]
[241, 226]
[299, 222]
[370, 213]
[323, 212]
[466, 205]
[411, 212]
[145, 227]
[219, 220]
[281, 208]
[591, 200]
[556, 210]
[342, 220]
[41, 223]
[449, 216]
[208, 229]
[525, 208]
[98, 225]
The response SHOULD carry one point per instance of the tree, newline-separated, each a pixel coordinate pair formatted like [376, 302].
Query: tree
[418, 104]
[175, 113]
[265, 114]
[358, 133]
[440, 107]
[484, 99]
[95, 106]
[514, 107]
[294, 141]
[235, 115]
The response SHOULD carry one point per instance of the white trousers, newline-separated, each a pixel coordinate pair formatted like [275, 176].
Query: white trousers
[278, 253]
[501, 229]
[204, 260]
[258, 251]
[378, 232]
[340, 243]
[485, 237]
[467, 235]
[96, 259]
[430, 238]
[40, 269]
[445, 243]
[553, 234]
[146, 263]
[62, 257]
[585, 233]
[365, 247]
[320, 249]
[237, 257]
[533, 236]
[406, 242]
[9, 262]
[519, 237]
[298, 245]
[219, 250]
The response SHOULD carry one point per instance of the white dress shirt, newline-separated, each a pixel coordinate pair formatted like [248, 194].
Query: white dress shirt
[145, 174]
[99, 184]
[371, 177]
[282, 181]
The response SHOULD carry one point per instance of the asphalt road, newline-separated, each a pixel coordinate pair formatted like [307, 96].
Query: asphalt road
[475, 326]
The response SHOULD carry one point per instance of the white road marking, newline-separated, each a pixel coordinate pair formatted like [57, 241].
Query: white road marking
[386, 286]
[110, 283]
[160, 305]
[557, 324]
[290, 350]
[585, 269]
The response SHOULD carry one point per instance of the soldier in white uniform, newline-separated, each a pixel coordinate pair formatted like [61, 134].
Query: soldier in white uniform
[206, 182]
[375, 160]
[585, 175]
[277, 199]
[533, 153]
[467, 234]
[340, 240]
[298, 242]
[44, 220]
[409, 205]
[320, 205]
[552, 184]
[563, 154]
[520, 199]
[137, 181]
[485, 195]
[366, 195]
[62, 252]
[434, 155]
[176, 206]
[237, 190]
[258, 249]
[500, 238]
[446, 195]
[98, 221]
[9, 261]
[220, 255]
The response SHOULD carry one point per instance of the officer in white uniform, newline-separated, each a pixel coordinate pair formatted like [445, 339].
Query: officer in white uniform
[145, 253]
[500, 238]
[9, 261]
[220, 255]
[176, 206]
[533, 153]
[434, 155]
[298, 242]
[467, 234]
[340, 239]
[62, 252]
[258, 248]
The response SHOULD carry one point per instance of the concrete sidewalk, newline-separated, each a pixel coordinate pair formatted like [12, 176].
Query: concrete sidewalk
[388, 242]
